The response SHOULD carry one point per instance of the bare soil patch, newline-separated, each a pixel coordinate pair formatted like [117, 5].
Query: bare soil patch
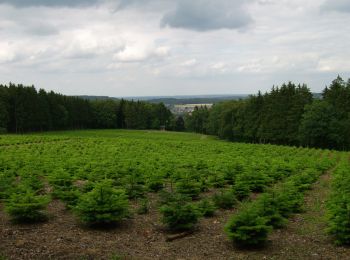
[143, 237]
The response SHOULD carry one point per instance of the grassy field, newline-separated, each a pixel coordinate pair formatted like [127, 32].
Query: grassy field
[146, 167]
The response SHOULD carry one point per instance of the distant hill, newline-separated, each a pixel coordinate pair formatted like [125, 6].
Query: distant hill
[195, 100]
[181, 100]
[317, 95]
[175, 100]
[96, 97]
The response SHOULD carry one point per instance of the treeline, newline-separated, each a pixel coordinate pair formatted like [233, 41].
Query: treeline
[287, 115]
[24, 109]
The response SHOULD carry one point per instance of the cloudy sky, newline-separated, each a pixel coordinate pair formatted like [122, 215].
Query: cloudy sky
[173, 47]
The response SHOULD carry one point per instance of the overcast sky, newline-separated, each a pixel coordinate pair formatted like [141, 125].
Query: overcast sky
[173, 47]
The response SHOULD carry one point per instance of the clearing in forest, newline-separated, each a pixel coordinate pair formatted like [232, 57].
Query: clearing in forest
[135, 183]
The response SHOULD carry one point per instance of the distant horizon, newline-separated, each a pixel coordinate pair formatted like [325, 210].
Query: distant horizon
[211, 95]
[171, 96]
[176, 96]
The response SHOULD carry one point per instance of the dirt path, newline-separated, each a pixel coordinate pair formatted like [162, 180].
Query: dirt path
[305, 236]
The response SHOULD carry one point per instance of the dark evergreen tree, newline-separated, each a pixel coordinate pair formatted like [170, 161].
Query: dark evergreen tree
[317, 125]
[197, 121]
[23, 109]
[104, 113]
[285, 115]
[179, 124]
[121, 114]
[338, 96]
[4, 116]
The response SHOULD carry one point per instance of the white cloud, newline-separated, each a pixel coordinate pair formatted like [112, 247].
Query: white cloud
[125, 51]
[87, 44]
[220, 66]
[335, 65]
[139, 52]
[252, 66]
[162, 51]
[6, 52]
[189, 63]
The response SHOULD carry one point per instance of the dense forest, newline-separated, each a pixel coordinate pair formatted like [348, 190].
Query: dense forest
[24, 109]
[287, 115]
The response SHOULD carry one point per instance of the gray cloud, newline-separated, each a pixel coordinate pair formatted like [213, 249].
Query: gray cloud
[336, 5]
[50, 3]
[144, 3]
[208, 15]
[40, 29]
[126, 3]
[198, 15]
[125, 52]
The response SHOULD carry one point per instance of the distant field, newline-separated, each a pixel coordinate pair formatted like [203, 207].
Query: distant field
[144, 165]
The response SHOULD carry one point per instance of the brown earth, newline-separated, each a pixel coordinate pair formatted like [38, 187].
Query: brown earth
[142, 237]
